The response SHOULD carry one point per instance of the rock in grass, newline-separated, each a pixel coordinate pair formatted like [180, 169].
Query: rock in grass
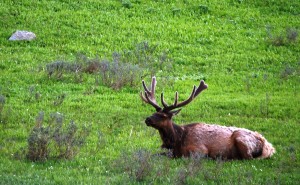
[22, 35]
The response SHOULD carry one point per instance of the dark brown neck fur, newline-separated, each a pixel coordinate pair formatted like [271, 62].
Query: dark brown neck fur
[171, 137]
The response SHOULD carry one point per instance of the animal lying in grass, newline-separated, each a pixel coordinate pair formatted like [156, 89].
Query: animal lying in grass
[214, 141]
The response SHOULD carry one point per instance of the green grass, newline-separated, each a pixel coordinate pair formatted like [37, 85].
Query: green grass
[252, 84]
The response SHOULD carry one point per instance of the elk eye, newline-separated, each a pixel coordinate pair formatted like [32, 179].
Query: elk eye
[162, 116]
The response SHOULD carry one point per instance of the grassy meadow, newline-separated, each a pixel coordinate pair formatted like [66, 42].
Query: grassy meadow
[247, 51]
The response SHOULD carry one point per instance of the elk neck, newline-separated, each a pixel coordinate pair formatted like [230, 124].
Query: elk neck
[171, 135]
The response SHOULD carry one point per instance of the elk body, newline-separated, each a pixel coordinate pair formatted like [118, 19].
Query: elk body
[214, 141]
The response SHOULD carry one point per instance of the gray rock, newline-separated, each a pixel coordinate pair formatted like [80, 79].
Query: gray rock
[22, 35]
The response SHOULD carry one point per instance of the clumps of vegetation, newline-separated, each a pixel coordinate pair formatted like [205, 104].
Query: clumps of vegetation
[59, 99]
[176, 11]
[191, 169]
[38, 141]
[59, 69]
[284, 38]
[195, 166]
[117, 74]
[143, 166]
[126, 4]
[54, 140]
[138, 166]
[125, 69]
[33, 94]
[199, 10]
[203, 9]
[290, 70]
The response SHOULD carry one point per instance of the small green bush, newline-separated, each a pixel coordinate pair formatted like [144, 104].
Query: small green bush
[33, 94]
[284, 38]
[54, 140]
[203, 9]
[126, 4]
[292, 34]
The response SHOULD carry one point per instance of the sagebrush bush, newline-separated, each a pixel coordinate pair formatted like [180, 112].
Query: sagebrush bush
[117, 74]
[59, 99]
[54, 140]
[59, 69]
[283, 38]
[138, 166]
[126, 68]
[203, 9]
[126, 4]
[287, 71]
[291, 34]
[33, 94]
[38, 141]
[191, 169]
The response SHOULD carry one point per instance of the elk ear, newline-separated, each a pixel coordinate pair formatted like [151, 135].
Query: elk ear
[175, 112]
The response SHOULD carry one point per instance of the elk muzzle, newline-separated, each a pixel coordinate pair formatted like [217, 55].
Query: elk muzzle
[148, 121]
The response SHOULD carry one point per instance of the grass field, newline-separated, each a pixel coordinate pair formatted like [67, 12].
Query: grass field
[248, 52]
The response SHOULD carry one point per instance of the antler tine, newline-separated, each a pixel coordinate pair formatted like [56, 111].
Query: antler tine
[202, 86]
[143, 98]
[181, 104]
[162, 100]
[196, 91]
[145, 87]
[152, 102]
[187, 101]
[165, 104]
[153, 85]
[176, 98]
[146, 90]
[149, 96]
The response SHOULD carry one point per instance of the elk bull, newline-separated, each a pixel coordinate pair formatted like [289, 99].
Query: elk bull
[214, 141]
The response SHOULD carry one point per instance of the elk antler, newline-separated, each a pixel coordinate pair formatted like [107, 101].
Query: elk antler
[149, 96]
[202, 86]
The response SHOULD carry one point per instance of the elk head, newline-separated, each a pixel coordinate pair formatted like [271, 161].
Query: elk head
[163, 115]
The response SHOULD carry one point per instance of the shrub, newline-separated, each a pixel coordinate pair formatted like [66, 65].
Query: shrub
[59, 99]
[287, 71]
[126, 4]
[38, 141]
[33, 94]
[176, 11]
[137, 166]
[54, 140]
[117, 74]
[290, 36]
[126, 68]
[203, 9]
[191, 169]
[58, 69]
